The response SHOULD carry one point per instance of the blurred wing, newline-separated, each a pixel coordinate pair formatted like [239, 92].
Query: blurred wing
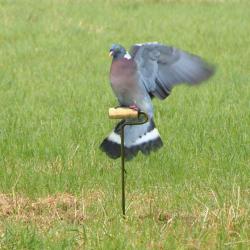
[161, 67]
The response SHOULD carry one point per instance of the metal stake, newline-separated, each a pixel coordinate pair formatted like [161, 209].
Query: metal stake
[123, 171]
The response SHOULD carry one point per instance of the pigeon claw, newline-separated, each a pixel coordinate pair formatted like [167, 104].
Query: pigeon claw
[134, 107]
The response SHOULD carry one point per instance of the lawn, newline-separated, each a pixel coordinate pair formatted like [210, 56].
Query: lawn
[59, 191]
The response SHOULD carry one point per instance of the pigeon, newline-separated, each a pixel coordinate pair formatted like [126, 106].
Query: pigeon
[148, 70]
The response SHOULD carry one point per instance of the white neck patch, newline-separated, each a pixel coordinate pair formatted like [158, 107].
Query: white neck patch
[127, 56]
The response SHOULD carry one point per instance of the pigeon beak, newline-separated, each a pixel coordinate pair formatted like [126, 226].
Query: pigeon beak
[111, 52]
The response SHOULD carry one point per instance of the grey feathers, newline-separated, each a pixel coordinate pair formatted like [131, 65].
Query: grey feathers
[144, 139]
[151, 69]
[160, 67]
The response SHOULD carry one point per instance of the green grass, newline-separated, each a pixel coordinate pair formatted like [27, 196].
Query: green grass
[54, 97]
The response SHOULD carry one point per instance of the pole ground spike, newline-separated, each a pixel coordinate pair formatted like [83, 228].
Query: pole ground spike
[126, 113]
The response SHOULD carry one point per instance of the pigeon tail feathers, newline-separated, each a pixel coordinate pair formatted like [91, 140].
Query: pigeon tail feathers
[147, 142]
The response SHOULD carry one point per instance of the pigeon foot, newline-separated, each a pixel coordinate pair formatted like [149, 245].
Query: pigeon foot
[134, 107]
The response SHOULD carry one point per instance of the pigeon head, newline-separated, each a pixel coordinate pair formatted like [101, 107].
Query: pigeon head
[117, 51]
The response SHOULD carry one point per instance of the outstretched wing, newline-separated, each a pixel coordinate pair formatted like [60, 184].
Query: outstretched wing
[161, 67]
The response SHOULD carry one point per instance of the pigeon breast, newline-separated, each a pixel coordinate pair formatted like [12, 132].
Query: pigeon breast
[124, 81]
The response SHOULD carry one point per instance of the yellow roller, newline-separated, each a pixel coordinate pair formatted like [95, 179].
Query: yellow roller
[122, 113]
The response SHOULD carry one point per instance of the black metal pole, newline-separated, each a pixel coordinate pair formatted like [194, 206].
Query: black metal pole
[123, 171]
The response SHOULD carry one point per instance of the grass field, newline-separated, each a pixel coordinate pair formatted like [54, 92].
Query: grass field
[58, 191]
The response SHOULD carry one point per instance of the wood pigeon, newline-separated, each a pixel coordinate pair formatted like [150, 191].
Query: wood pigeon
[148, 70]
